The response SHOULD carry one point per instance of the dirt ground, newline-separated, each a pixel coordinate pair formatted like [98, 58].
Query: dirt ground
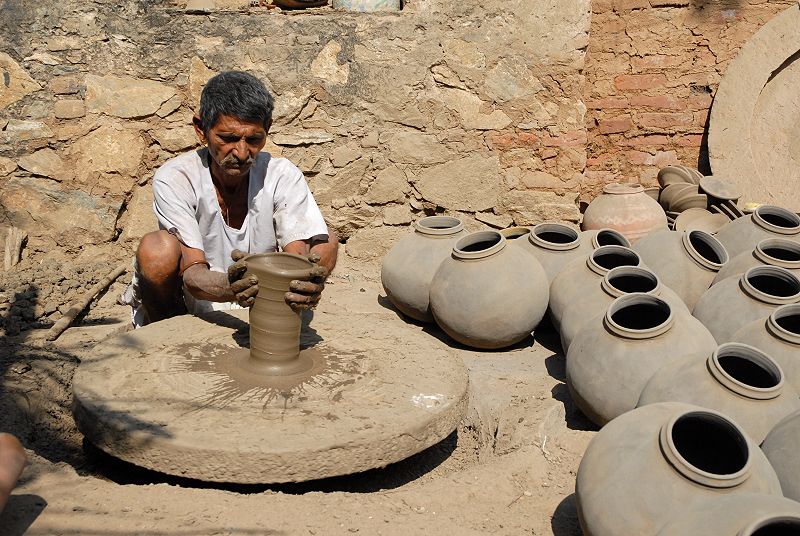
[508, 469]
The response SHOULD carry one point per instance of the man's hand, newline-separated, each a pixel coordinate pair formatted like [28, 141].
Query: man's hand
[306, 294]
[243, 288]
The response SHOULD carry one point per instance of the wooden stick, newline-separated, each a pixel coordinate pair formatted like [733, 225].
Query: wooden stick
[67, 318]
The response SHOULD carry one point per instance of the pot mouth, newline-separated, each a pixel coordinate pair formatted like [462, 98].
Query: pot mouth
[771, 284]
[777, 219]
[778, 252]
[627, 279]
[707, 448]
[623, 188]
[479, 245]
[554, 236]
[605, 258]
[773, 525]
[514, 233]
[609, 237]
[438, 225]
[746, 370]
[638, 316]
[705, 250]
[784, 323]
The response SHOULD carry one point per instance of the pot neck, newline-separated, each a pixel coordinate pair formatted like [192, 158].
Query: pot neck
[605, 258]
[479, 245]
[554, 237]
[784, 323]
[705, 250]
[438, 226]
[638, 316]
[778, 252]
[776, 220]
[627, 188]
[626, 279]
[771, 284]
[746, 371]
[609, 237]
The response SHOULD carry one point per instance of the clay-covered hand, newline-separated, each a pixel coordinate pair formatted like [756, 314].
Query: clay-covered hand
[243, 288]
[306, 294]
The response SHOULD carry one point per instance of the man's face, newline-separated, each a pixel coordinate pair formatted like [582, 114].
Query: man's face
[233, 144]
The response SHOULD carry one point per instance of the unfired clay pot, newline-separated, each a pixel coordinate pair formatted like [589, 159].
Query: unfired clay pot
[744, 514]
[767, 221]
[612, 358]
[487, 294]
[626, 208]
[685, 262]
[409, 266]
[644, 469]
[781, 448]
[568, 286]
[735, 302]
[779, 336]
[736, 379]
[770, 251]
[596, 298]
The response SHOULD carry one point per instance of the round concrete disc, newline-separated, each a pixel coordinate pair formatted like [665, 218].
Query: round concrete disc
[160, 397]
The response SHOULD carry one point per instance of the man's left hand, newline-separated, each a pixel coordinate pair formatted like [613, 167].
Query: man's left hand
[304, 295]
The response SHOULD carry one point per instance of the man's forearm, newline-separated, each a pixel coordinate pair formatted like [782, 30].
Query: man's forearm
[327, 251]
[205, 284]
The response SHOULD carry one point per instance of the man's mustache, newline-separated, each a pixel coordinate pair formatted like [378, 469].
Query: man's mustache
[232, 161]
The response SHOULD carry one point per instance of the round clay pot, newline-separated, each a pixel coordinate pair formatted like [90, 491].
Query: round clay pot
[735, 302]
[409, 266]
[612, 358]
[487, 295]
[782, 451]
[626, 208]
[767, 221]
[736, 379]
[770, 251]
[646, 468]
[745, 514]
[685, 262]
[779, 336]
[596, 298]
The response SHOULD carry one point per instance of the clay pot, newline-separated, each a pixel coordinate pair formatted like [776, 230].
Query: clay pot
[367, 6]
[779, 336]
[568, 286]
[626, 208]
[596, 298]
[783, 453]
[735, 302]
[736, 379]
[644, 469]
[685, 262]
[744, 514]
[409, 266]
[770, 251]
[487, 295]
[767, 221]
[612, 358]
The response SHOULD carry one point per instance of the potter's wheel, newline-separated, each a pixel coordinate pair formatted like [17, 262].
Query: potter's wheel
[163, 397]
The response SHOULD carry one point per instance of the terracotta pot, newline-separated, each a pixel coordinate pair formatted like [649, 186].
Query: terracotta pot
[781, 449]
[612, 358]
[596, 298]
[779, 336]
[626, 208]
[736, 379]
[735, 302]
[770, 251]
[767, 221]
[685, 262]
[744, 514]
[649, 466]
[409, 266]
[487, 295]
[568, 286]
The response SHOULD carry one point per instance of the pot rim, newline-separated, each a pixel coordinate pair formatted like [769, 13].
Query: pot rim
[777, 243]
[708, 240]
[773, 327]
[623, 188]
[774, 210]
[639, 271]
[754, 355]
[774, 271]
[536, 240]
[764, 521]
[623, 241]
[594, 266]
[515, 232]
[475, 238]
[637, 298]
[447, 225]
[284, 273]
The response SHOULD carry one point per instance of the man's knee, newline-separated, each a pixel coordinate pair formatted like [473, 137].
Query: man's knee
[158, 256]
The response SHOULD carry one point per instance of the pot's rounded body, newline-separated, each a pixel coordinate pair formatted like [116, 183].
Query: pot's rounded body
[781, 449]
[686, 262]
[626, 208]
[367, 6]
[612, 358]
[778, 335]
[770, 251]
[767, 221]
[409, 265]
[735, 302]
[644, 469]
[738, 380]
[488, 294]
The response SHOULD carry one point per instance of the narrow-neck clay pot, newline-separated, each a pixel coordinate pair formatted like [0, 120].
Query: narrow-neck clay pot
[612, 358]
[735, 302]
[770, 251]
[486, 294]
[409, 266]
[767, 221]
[650, 465]
[626, 208]
[686, 262]
[782, 451]
[779, 336]
[736, 379]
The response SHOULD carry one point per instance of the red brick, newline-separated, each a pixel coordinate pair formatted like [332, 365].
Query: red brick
[690, 140]
[658, 101]
[573, 138]
[699, 102]
[625, 82]
[615, 125]
[653, 139]
[607, 103]
[639, 158]
[701, 118]
[630, 5]
[660, 158]
[665, 120]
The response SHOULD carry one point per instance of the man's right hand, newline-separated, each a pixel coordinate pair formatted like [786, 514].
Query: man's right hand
[243, 288]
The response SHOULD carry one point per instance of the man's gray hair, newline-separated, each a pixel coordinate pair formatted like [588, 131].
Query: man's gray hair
[238, 94]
